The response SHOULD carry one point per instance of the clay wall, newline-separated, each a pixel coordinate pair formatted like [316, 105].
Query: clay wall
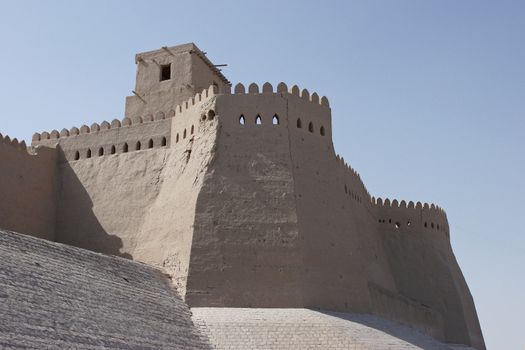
[328, 249]
[27, 186]
[416, 241]
[138, 203]
[107, 138]
[333, 218]
[246, 244]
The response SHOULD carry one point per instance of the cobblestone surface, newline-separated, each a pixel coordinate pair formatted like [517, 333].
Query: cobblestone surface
[239, 328]
[54, 296]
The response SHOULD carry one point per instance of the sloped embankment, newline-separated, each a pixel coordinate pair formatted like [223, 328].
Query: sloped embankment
[57, 296]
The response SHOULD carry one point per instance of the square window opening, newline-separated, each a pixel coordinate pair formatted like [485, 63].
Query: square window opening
[165, 72]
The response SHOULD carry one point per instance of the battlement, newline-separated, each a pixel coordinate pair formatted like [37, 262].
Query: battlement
[402, 216]
[282, 88]
[238, 194]
[6, 140]
[27, 188]
[355, 187]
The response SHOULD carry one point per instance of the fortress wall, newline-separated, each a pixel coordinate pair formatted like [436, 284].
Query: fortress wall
[342, 252]
[106, 139]
[27, 185]
[246, 246]
[138, 203]
[130, 134]
[322, 253]
[416, 240]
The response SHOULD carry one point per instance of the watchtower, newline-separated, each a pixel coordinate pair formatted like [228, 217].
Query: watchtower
[169, 76]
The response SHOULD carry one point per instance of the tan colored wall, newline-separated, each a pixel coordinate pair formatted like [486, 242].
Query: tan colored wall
[274, 225]
[139, 204]
[416, 240]
[27, 188]
[246, 243]
[281, 220]
[252, 215]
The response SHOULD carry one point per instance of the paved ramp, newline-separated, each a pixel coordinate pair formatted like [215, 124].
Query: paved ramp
[54, 296]
[237, 328]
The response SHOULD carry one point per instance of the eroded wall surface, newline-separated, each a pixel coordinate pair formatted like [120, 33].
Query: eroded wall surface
[27, 188]
[282, 220]
[138, 203]
[246, 243]
[416, 241]
[242, 199]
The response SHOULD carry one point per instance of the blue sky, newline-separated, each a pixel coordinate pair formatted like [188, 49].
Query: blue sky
[427, 97]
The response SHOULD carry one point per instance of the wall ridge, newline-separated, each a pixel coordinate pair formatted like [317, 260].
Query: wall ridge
[6, 140]
[282, 88]
[126, 122]
[397, 214]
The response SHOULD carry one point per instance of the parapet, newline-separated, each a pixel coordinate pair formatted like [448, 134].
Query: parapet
[6, 140]
[125, 122]
[398, 215]
[282, 88]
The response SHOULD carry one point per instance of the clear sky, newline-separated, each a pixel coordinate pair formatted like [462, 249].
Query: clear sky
[427, 97]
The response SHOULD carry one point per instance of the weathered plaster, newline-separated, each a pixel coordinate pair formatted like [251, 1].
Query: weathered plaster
[253, 214]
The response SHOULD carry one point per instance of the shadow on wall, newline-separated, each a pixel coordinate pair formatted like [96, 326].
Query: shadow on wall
[406, 333]
[77, 223]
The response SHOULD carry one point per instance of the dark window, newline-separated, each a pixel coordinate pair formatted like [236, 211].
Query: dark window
[184, 134]
[177, 138]
[192, 129]
[150, 143]
[125, 148]
[100, 152]
[137, 146]
[77, 155]
[165, 72]
[311, 127]
[163, 142]
[322, 131]
[299, 123]
[113, 150]
[211, 114]
[88, 154]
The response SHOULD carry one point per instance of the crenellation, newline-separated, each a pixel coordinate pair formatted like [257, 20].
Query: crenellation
[267, 88]
[253, 88]
[105, 126]
[422, 216]
[237, 196]
[282, 88]
[84, 129]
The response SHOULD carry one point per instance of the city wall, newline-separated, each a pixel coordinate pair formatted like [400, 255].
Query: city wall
[28, 188]
[240, 196]
[128, 187]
